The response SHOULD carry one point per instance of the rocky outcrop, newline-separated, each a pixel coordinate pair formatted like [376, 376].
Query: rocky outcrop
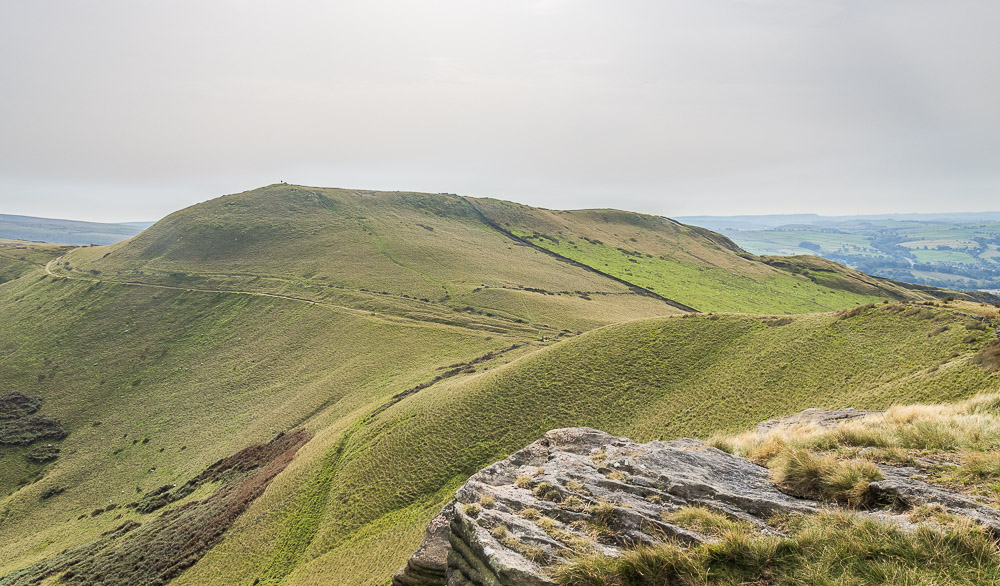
[429, 564]
[580, 490]
[902, 488]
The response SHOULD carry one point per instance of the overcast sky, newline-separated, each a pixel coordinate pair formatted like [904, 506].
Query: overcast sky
[129, 109]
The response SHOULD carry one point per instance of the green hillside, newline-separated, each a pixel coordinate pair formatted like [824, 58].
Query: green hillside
[696, 267]
[407, 340]
[462, 252]
[649, 379]
[20, 258]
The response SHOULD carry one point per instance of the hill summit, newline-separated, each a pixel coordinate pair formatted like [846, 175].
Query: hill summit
[479, 253]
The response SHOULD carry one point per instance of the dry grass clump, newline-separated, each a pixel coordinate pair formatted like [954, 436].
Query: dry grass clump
[973, 424]
[825, 548]
[936, 331]
[989, 356]
[855, 312]
[979, 466]
[835, 464]
[523, 481]
[933, 513]
[602, 512]
[824, 477]
[617, 475]
[546, 491]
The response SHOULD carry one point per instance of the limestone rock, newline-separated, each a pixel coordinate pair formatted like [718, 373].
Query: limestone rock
[902, 488]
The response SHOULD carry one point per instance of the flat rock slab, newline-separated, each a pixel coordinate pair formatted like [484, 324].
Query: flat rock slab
[819, 417]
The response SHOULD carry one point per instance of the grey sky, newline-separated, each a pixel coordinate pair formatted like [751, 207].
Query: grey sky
[129, 109]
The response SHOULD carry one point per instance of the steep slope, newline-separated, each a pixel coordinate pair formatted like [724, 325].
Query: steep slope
[694, 266]
[649, 379]
[153, 385]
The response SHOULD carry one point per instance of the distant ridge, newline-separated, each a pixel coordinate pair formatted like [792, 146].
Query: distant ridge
[57, 231]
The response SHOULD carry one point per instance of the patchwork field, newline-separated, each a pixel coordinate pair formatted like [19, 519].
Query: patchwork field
[947, 252]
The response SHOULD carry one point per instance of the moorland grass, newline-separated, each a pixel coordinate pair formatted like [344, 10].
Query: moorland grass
[836, 464]
[199, 375]
[824, 548]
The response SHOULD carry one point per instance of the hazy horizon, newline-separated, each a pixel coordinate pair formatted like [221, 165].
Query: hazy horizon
[125, 112]
[984, 212]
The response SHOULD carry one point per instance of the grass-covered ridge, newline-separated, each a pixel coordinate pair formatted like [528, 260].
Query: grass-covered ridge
[706, 288]
[377, 322]
[694, 266]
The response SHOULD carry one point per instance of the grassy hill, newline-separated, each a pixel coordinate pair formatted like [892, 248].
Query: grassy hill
[29, 228]
[412, 339]
[465, 252]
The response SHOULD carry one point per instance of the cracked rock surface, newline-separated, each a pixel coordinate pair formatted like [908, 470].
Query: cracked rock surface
[580, 490]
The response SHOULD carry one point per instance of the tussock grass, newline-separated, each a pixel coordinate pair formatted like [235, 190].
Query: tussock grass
[826, 548]
[825, 462]
[806, 474]
[979, 466]
[989, 356]
[973, 424]
[704, 520]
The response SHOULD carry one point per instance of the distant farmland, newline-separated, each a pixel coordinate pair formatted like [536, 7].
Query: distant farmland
[958, 252]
